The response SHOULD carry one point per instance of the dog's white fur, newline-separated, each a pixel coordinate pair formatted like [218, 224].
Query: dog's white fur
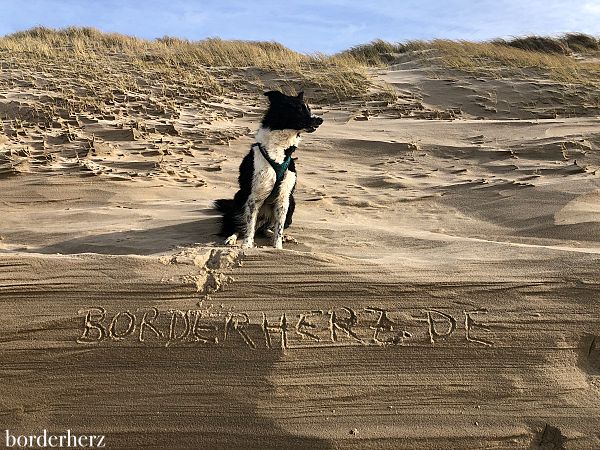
[275, 143]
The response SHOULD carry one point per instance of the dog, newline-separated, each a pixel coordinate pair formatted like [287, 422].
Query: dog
[267, 179]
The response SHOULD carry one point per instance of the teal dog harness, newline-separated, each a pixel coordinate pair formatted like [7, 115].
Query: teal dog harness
[280, 169]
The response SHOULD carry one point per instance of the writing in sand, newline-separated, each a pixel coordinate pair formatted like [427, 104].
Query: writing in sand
[344, 326]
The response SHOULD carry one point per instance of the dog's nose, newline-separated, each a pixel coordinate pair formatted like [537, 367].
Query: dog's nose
[317, 121]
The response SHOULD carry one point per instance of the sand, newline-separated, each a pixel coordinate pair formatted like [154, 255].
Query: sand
[440, 290]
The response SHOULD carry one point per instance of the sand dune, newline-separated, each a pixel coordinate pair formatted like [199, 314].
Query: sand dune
[467, 210]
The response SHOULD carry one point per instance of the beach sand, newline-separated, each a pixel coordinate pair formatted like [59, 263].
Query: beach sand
[440, 290]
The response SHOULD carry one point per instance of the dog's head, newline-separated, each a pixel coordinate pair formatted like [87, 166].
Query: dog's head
[289, 112]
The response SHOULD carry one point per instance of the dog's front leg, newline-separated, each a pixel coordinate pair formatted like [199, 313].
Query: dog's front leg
[250, 216]
[280, 212]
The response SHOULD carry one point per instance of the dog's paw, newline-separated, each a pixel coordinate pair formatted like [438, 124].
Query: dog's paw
[289, 239]
[231, 240]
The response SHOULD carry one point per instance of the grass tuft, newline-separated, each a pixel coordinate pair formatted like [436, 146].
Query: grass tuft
[582, 43]
[375, 53]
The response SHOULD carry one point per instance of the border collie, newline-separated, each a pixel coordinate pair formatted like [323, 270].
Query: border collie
[267, 178]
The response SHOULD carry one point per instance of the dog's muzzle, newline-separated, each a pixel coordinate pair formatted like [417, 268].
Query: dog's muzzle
[314, 124]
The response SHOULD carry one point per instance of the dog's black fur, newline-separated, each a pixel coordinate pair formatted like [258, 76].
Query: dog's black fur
[289, 112]
[285, 113]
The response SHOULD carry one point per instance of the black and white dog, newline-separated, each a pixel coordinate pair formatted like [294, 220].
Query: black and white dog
[267, 178]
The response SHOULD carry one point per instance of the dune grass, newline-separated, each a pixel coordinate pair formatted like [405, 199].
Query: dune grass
[565, 44]
[492, 58]
[376, 53]
[89, 51]
[108, 62]
[554, 57]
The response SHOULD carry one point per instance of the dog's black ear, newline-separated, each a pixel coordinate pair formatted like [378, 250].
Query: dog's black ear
[273, 95]
[300, 95]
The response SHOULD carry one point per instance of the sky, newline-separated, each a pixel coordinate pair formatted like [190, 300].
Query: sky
[309, 26]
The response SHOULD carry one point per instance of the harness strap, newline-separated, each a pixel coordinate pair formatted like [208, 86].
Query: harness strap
[280, 169]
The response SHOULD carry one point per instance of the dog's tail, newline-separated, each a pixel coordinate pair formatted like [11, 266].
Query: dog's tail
[224, 206]
[229, 223]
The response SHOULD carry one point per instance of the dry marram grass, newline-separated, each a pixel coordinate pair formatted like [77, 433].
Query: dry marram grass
[553, 57]
[89, 52]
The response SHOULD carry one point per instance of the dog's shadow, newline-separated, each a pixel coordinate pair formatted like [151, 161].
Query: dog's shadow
[202, 232]
[142, 242]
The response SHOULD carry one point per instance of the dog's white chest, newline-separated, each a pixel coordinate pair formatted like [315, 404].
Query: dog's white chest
[264, 178]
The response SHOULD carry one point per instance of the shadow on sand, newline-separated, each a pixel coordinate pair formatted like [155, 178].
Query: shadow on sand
[141, 242]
